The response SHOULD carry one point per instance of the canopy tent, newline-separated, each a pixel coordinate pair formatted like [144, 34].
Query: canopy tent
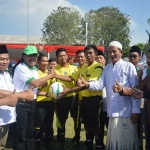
[16, 50]
[71, 50]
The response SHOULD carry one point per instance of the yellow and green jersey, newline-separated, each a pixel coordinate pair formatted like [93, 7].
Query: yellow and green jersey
[66, 71]
[45, 89]
[80, 94]
[89, 73]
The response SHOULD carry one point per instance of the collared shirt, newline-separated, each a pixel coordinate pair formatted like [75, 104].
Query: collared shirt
[23, 75]
[66, 71]
[7, 114]
[104, 99]
[125, 74]
[44, 89]
[89, 73]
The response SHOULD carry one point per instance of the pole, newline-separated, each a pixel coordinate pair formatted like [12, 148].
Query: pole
[48, 55]
[86, 31]
[27, 22]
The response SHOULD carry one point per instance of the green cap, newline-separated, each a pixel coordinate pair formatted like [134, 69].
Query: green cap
[30, 50]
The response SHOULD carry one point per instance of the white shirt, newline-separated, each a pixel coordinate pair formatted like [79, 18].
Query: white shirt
[104, 99]
[7, 114]
[144, 73]
[125, 74]
[22, 76]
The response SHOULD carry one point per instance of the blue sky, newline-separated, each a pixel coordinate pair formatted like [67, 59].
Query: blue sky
[13, 14]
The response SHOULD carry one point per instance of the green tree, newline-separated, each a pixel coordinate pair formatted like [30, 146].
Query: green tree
[63, 26]
[107, 24]
[143, 47]
[148, 35]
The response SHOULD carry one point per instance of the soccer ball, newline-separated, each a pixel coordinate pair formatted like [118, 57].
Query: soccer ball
[55, 88]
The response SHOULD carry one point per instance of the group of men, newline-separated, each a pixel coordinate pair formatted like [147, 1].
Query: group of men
[92, 93]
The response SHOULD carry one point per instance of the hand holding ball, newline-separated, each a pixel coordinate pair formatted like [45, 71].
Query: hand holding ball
[55, 88]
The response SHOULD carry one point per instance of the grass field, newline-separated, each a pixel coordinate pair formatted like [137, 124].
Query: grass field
[69, 135]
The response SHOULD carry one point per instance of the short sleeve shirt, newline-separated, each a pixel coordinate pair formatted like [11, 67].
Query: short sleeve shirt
[44, 89]
[7, 114]
[66, 71]
[23, 75]
[89, 73]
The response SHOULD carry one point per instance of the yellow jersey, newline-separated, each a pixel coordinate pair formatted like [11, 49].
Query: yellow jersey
[45, 89]
[80, 94]
[66, 71]
[89, 73]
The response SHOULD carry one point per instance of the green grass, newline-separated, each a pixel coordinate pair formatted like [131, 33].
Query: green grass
[69, 135]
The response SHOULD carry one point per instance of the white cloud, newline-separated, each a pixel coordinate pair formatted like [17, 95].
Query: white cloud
[38, 11]
[133, 24]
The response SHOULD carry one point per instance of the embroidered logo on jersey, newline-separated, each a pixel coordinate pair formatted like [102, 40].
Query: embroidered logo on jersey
[87, 74]
[65, 73]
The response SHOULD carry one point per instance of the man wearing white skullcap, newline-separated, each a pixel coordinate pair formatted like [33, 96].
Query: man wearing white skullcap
[116, 43]
[123, 111]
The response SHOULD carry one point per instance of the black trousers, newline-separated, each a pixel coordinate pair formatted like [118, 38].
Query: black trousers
[24, 127]
[44, 121]
[44, 114]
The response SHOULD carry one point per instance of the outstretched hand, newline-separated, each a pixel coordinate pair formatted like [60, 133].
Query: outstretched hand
[117, 87]
[137, 93]
[82, 83]
[65, 92]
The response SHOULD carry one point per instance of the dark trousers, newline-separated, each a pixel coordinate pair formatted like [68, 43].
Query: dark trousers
[44, 121]
[103, 121]
[147, 128]
[24, 127]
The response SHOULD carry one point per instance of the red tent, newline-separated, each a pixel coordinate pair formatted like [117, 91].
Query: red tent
[71, 50]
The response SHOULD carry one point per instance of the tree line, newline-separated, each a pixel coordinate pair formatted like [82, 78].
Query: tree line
[66, 26]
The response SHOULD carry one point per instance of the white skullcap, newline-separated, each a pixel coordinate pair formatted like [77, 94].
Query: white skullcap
[116, 43]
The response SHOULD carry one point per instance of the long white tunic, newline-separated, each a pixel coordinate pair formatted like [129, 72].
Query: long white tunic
[125, 74]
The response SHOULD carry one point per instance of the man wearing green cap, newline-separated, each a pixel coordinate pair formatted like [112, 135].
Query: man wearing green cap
[25, 77]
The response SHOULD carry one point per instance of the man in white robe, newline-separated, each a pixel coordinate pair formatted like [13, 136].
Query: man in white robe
[123, 111]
